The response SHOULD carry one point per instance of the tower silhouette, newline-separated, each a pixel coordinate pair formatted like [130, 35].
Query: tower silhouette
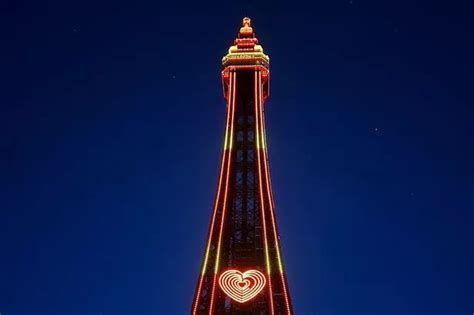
[242, 271]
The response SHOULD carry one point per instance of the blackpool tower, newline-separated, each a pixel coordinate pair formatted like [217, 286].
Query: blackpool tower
[242, 271]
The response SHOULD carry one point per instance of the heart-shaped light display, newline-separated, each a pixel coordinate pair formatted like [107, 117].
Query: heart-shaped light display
[242, 286]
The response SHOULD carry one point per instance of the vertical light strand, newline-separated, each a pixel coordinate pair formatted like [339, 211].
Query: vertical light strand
[262, 204]
[224, 204]
[272, 204]
[225, 155]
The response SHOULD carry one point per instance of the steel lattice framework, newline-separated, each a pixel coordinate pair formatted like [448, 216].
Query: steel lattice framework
[242, 271]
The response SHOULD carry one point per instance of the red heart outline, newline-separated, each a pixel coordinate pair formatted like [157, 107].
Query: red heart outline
[242, 286]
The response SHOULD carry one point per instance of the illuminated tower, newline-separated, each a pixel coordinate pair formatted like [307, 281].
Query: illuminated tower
[242, 271]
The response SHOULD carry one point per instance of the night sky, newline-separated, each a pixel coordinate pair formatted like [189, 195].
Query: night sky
[111, 127]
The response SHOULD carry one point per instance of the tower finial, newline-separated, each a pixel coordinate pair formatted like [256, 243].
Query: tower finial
[246, 28]
[246, 21]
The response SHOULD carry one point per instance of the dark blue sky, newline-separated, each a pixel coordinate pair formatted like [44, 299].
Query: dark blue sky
[111, 127]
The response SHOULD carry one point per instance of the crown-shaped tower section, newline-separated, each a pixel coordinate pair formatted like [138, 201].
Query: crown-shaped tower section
[246, 50]
[246, 53]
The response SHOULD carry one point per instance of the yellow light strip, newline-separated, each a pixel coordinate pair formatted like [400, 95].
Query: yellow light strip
[225, 139]
[224, 204]
[262, 204]
[225, 155]
[272, 206]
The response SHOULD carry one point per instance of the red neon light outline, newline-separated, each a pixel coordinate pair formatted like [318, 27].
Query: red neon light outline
[225, 154]
[257, 135]
[224, 206]
[272, 206]
[247, 67]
